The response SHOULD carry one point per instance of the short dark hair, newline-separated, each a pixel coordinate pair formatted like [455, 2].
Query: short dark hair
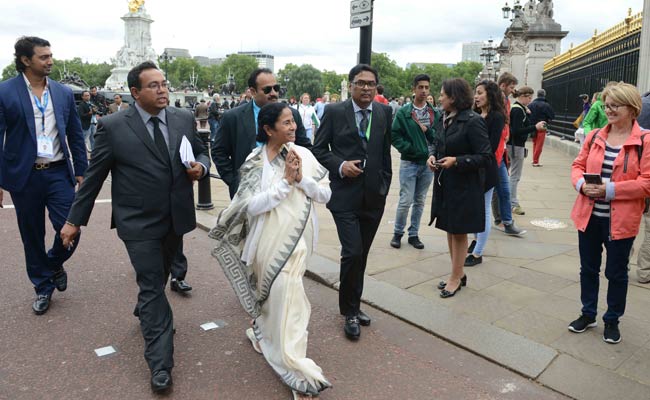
[421, 77]
[93, 87]
[84, 92]
[252, 79]
[357, 69]
[459, 90]
[133, 78]
[380, 89]
[268, 116]
[117, 95]
[25, 47]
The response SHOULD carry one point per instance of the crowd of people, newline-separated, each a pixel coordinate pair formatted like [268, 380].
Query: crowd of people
[278, 160]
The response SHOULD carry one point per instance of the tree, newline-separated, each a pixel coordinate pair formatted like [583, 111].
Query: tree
[284, 75]
[391, 75]
[241, 66]
[468, 70]
[180, 70]
[9, 72]
[332, 81]
[305, 79]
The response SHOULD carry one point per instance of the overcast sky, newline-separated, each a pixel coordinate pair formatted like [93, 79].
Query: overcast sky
[298, 31]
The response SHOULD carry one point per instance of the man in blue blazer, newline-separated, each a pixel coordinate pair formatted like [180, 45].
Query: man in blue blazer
[42, 158]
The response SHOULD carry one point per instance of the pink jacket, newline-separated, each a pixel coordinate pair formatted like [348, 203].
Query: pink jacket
[629, 186]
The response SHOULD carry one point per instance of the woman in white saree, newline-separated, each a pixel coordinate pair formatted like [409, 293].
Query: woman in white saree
[265, 239]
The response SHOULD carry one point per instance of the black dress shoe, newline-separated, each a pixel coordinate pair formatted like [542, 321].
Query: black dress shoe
[471, 260]
[60, 280]
[463, 282]
[444, 293]
[136, 312]
[471, 247]
[161, 381]
[396, 241]
[179, 285]
[41, 304]
[364, 319]
[415, 242]
[352, 329]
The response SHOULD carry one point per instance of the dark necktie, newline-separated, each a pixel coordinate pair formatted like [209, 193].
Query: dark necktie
[363, 125]
[160, 140]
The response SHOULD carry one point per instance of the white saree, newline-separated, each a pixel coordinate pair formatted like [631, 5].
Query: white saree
[265, 240]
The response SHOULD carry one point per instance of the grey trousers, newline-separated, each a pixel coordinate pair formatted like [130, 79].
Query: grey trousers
[643, 259]
[517, 154]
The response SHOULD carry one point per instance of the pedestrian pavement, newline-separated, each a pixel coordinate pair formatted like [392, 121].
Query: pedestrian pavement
[517, 304]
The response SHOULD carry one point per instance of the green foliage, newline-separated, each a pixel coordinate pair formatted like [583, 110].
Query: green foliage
[9, 72]
[305, 79]
[332, 82]
[391, 75]
[468, 70]
[241, 67]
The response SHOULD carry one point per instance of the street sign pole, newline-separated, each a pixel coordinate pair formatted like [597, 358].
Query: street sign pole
[365, 44]
[361, 17]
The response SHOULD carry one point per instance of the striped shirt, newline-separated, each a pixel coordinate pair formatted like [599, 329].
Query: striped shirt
[601, 206]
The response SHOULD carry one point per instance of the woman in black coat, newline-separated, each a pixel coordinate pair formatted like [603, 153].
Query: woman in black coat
[459, 159]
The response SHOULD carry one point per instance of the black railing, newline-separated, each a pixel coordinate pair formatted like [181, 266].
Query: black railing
[618, 61]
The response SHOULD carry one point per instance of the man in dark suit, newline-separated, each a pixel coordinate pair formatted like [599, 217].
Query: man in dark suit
[236, 135]
[42, 158]
[353, 143]
[153, 200]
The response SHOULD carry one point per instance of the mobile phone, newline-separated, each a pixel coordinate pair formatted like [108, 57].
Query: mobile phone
[361, 164]
[284, 151]
[593, 179]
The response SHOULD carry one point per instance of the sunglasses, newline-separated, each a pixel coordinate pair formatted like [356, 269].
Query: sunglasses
[267, 89]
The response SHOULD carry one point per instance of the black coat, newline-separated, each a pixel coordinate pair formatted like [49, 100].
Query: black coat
[495, 123]
[338, 140]
[458, 205]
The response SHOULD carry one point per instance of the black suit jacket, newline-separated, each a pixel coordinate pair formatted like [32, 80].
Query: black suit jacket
[147, 197]
[338, 140]
[236, 138]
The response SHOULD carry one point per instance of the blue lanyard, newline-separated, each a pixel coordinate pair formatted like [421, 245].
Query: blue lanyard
[42, 107]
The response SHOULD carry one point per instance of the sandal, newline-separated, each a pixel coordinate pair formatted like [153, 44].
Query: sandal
[251, 336]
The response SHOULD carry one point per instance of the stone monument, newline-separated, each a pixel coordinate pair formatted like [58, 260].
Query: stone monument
[532, 39]
[344, 89]
[137, 45]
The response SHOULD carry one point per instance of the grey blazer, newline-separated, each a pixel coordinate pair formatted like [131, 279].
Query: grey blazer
[147, 198]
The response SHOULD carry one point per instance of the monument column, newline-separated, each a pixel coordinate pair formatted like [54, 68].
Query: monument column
[643, 81]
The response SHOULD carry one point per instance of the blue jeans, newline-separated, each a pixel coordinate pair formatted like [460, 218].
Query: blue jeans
[503, 193]
[214, 126]
[482, 237]
[414, 182]
[89, 136]
[590, 245]
[308, 132]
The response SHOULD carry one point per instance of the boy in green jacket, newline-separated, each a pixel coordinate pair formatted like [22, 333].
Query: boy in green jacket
[412, 133]
[596, 117]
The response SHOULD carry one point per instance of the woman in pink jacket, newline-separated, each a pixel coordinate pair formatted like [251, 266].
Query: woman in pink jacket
[612, 177]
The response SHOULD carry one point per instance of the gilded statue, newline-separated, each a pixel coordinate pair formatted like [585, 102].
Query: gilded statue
[134, 5]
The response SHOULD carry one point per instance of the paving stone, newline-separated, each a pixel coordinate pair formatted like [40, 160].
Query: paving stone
[533, 325]
[436, 266]
[516, 262]
[499, 345]
[514, 293]
[403, 277]
[494, 267]
[540, 281]
[558, 307]
[520, 249]
[582, 380]
[560, 265]
[482, 306]
[479, 278]
[637, 367]
[590, 347]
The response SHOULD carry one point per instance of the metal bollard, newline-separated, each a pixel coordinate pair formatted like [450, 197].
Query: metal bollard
[205, 193]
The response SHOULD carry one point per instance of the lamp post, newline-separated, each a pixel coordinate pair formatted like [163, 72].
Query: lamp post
[165, 58]
[510, 13]
[489, 52]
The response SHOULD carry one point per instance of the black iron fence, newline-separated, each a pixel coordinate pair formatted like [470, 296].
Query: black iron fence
[618, 61]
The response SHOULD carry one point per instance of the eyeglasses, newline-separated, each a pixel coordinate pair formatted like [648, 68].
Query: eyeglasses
[267, 89]
[613, 107]
[157, 85]
[363, 84]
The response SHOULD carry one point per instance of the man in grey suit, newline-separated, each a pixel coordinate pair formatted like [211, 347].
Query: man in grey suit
[153, 200]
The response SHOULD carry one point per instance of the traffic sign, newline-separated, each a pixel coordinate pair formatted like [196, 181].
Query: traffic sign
[359, 20]
[360, 6]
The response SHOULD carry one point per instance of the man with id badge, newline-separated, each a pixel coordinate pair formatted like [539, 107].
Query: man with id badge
[42, 158]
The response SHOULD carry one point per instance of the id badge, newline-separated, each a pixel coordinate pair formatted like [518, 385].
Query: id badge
[45, 147]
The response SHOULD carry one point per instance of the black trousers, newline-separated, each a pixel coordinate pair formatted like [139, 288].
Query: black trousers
[356, 230]
[179, 263]
[151, 260]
